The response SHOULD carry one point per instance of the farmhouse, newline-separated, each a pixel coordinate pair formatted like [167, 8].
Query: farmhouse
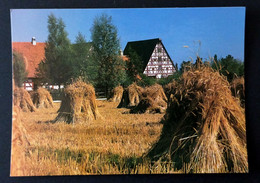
[155, 58]
[33, 53]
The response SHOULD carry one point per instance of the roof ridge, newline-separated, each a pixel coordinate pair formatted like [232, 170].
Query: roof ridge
[26, 42]
[146, 40]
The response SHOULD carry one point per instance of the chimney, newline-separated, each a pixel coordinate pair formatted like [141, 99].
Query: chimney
[34, 41]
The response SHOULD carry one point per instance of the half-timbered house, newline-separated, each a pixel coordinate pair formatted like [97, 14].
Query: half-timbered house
[155, 59]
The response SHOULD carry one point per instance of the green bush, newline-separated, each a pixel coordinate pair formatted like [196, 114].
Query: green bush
[146, 80]
[165, 81]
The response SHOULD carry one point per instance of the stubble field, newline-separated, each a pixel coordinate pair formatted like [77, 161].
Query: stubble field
[114, 144]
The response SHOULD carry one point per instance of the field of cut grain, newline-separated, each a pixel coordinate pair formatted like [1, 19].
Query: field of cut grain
[111, 145]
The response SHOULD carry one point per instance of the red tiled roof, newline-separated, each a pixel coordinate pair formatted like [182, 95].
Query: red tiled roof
[33, 55]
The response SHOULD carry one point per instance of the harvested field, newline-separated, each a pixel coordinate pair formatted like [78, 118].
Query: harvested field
[111, 145]
[203, 131]
[204, 127]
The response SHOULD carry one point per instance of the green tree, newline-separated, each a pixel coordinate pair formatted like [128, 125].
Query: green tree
[110, 67]
[176, 67]
[215, 57]
[215, 63]
[146, 80]
[229, 67]
[82, 59]
[134, 65]
[58, 56]
[164, 81]
[19, 70]
[185, 66]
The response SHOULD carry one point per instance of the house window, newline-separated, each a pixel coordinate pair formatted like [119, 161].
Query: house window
[159, 59]
[159, 67]
[159, 50]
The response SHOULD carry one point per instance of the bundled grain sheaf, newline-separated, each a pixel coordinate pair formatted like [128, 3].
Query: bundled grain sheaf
[42, 98]
[117, 94]
[238, 89]
[19, 144]
[204, 126]
[152, 100]
[131, 96]
[78, 104]
[170, 88]
[23, 99]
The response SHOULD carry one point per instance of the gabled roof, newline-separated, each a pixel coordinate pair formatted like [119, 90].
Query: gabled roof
[143, 48]
[33, 55]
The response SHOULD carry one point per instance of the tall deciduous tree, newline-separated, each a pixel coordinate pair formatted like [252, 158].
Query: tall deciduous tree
[82, 58]
[134, 65]
[19, 70]
[57, 62]
[105, 41]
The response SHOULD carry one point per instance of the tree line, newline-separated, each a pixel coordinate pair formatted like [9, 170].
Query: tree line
[227, 66]
[99, 62]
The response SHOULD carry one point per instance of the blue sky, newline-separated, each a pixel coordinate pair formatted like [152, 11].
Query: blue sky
[220, 30]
